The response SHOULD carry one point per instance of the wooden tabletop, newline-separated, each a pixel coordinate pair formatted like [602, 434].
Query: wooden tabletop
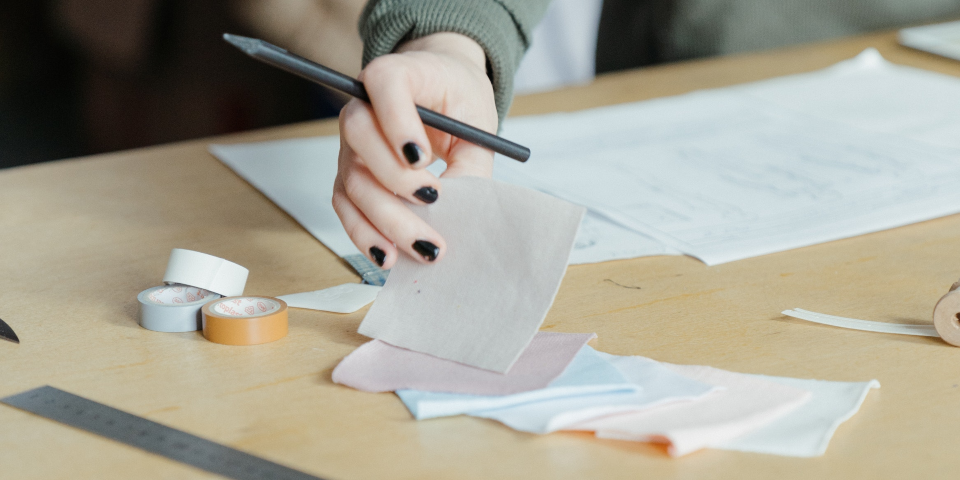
[80, 238]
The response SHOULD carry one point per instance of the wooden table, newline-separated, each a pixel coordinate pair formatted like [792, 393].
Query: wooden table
[80, 238]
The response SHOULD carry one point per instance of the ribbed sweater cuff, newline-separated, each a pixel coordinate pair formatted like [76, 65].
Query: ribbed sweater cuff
[387, 23]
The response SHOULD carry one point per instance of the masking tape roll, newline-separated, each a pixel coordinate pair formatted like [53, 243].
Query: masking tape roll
[173, 308]
[244, 320]
[946, 316]
[204, 271]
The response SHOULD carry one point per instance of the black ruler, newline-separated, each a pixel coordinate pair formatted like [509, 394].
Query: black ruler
[151, 436]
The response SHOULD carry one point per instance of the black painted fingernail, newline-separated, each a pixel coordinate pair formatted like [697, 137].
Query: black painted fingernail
[378, 255]
[413, 152]
[427, 194]
[427, 249]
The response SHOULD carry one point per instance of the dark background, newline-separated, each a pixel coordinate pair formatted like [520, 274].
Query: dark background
[81, 77]
[59, 100]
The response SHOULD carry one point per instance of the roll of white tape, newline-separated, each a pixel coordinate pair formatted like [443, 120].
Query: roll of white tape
[207, 272]
[173, 308]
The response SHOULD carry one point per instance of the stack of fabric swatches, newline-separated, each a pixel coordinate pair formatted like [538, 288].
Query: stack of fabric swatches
[561, 383]
[460, 337]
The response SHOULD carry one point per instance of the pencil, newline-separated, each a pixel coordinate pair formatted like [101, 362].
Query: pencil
[284, 60]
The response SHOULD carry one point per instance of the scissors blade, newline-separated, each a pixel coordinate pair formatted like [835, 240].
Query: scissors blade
[7, 332]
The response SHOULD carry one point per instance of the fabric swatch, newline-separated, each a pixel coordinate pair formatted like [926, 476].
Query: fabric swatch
[588, 374]
[380, 367]
[656, 385]
[806, 431]
[747, 404]
[507, 251]
[346, 298]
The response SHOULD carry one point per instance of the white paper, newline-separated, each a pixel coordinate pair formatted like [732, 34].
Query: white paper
[806, 432]
[870, 93]
[346, 298]
[720, 175]
[941, 39]
[298, 176]
[723, 176]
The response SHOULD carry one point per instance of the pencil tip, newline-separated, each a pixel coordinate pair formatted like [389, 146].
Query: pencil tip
[247, 44]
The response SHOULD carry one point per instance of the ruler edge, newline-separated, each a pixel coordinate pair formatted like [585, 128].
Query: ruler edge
[49, 388]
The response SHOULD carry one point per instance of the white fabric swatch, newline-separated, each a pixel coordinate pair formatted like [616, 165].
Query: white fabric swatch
[806, 431]
[657, 385]
[346, 298]
[507, 251]
[589, 373]
[747, 404]
[864, 325]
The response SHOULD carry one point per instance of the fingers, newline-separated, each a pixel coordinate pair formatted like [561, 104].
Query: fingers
[468, 160]
[392, 85]
[362, 132]
[376, 220]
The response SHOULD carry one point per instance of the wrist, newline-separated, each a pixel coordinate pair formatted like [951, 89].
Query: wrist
[448, 43]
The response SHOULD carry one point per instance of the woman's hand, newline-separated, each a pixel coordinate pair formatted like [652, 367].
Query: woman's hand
[384, 147]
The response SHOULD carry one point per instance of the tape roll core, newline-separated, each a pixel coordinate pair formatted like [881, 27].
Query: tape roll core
[946, 317]
[244, 320]
[173, 308]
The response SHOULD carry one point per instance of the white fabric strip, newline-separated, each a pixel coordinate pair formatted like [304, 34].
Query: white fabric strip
[865, 325]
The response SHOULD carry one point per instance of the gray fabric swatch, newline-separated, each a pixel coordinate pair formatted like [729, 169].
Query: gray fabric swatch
[481, 305]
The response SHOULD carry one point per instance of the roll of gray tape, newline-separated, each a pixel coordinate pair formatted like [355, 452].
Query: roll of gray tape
[173, 308]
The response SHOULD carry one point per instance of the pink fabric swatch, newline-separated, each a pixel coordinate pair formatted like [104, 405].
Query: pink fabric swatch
[378, 366]
[747, 404]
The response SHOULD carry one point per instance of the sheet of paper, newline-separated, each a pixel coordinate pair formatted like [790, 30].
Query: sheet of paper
[507, 251]
[723, 176]
[380, 367]
[346, 298]
[870, 93]
[806, 431]
[941, 38]
[298, 176]
[588, 374]
[747, 404]
[656, 385]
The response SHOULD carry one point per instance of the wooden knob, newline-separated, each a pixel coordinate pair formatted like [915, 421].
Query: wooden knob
[946, 316]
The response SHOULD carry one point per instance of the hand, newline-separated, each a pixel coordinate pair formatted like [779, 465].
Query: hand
[384, 147]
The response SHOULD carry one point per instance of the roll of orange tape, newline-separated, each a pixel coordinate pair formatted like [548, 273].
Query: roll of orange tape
[244, 320]
[946, 316]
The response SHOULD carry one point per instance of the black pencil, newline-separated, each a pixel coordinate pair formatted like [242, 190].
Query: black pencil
[280, 58]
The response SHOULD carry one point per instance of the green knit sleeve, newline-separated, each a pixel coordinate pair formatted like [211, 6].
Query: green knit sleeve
[502, 27]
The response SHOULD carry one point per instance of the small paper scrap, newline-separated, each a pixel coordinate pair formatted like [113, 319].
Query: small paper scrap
[346, 298]
[863, 325]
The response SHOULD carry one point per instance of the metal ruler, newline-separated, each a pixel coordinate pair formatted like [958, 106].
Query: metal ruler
[151, 436]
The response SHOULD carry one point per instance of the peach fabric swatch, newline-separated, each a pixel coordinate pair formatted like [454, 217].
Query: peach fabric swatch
[380, 367]
[507, 251]
[747, 404]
